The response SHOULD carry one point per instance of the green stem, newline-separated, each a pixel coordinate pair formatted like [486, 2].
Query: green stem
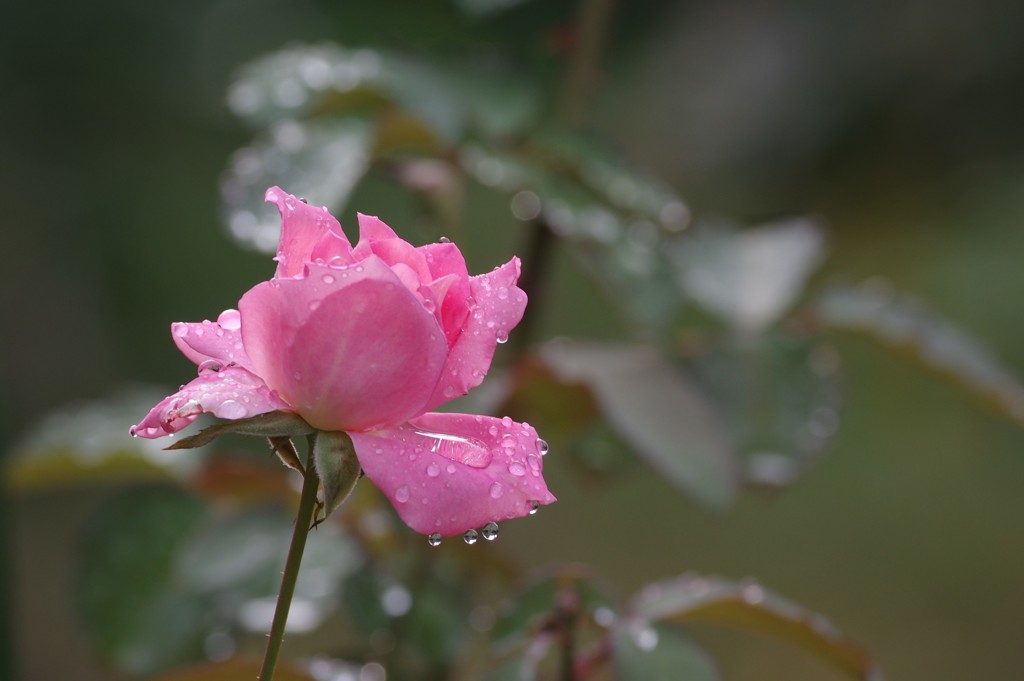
[303, 521]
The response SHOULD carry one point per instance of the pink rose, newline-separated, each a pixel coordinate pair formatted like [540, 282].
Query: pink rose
[367, 340]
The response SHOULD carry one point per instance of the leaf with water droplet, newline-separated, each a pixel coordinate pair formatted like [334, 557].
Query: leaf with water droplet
[643, 652]
[658, 411]
[750, 606]
[904, 324]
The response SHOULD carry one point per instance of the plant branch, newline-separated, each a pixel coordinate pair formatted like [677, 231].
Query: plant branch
[303, 520]
[591, 28]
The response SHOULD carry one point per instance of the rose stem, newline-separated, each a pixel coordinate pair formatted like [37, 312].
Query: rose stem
[303, 521]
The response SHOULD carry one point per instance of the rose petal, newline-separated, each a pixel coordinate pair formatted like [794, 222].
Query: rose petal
[350, 348]
[378, 239]
[302, 227]
[207, 341]
[497, 306]
[232, 393]
[444, 258]
[448, 473]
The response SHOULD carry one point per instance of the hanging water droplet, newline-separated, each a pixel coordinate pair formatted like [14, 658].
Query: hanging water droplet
[502, 337]
[402, 494]
[489, 531]
[534, 505]
[542, 447]
[434, 539]
[470, 536]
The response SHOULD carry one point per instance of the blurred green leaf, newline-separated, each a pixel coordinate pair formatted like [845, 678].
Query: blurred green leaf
[646, 652]
[749, 606]
[136, 616]
[658, 411]
[903, 323]
[565, 588]
[779, 392]
[747, 278]
[320, 161]
[89, 442]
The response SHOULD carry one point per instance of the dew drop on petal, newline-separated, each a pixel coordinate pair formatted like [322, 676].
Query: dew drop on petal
[470, 536]
[502, 337]
[517, 469]
[230, 320]
[445, 240]
[328, 278]
[229, 409]
[209, 365]
[433, 470]
[542, 447]
[534, 505]
[180, 330]
[451, 468]
[502, 292]
[313, 305]
[489, 531]
[402, 494]
[434, 539]
[497, 490]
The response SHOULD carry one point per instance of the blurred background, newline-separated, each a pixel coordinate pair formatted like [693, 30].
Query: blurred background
[897, 125]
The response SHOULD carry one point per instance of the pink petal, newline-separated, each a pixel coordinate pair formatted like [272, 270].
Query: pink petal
[232, 393]
[444, 258]
[497, 306]
[378, 239]
[448, 473]
[209, 342]
[350, 348]
[302, 227]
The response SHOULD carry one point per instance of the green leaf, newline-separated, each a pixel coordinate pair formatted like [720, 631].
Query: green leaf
[779, 392]
[658, 411]
[646, 652]
[903, 324]
[88, 442]
[523, 615]
[135, 615]
[749, 606]
[335, 458]
[269, 425]
[321, 161]
[747, 278]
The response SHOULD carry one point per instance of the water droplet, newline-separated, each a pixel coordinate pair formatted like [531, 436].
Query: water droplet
[434, 539]
[517, 469]
[445, 240]
[199, 331]
[433, 470]
[497, 490]
[328, 278]
[402, 494]
[503, 292]
[493, 430]
[506, 421]
[180, 330]
[313, 305]
[297, 376]
[209, 365]
[647, 639]
[429, 305]
[753, 594]
[502, 337]
[451, 468]
[489, 531]
[534, 505]
[229, 409]
[459, 449]
[542, 447]
[470, 536]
